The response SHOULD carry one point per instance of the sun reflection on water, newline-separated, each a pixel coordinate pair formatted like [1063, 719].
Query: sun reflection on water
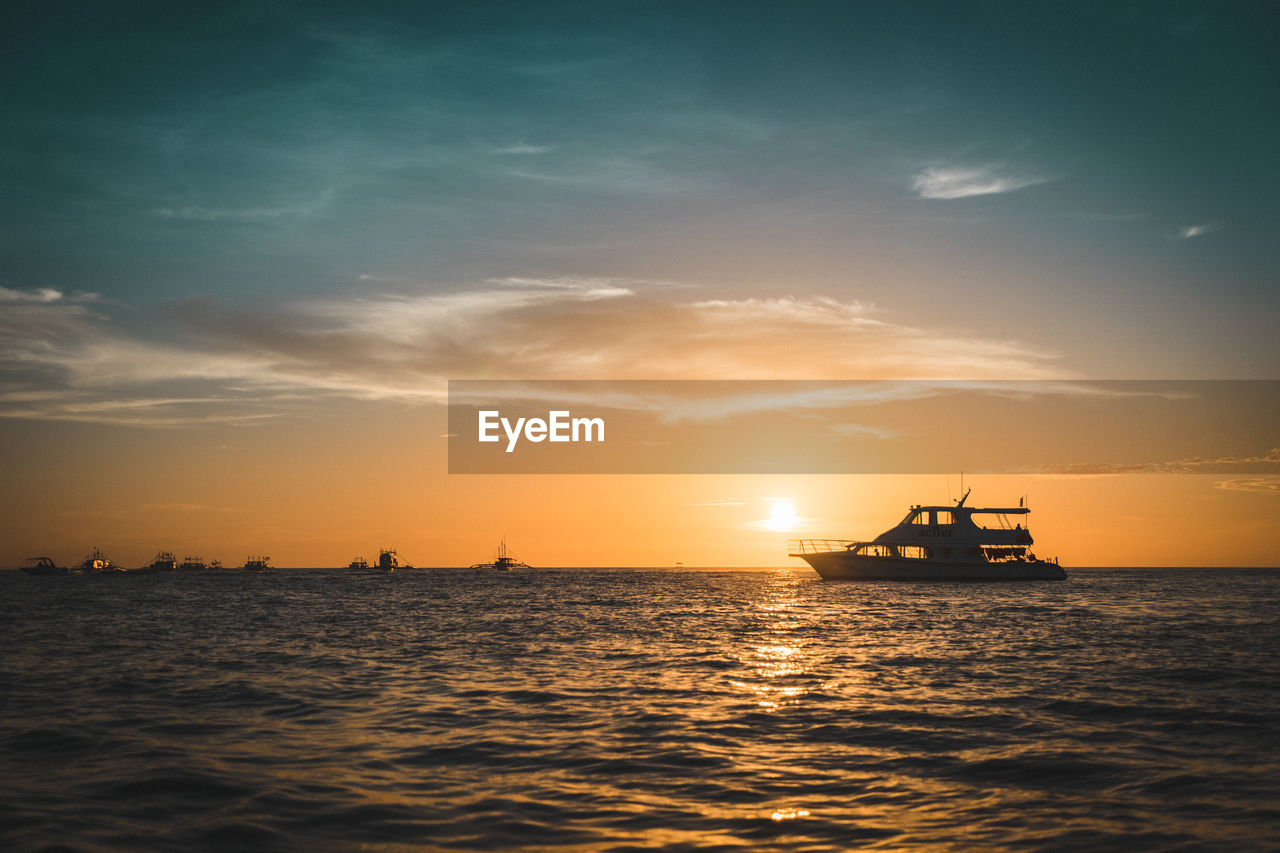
[778, 663]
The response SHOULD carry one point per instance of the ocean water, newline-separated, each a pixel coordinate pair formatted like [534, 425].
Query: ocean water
[633, 710]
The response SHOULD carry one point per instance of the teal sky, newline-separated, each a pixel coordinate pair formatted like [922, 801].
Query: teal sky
[255, 204]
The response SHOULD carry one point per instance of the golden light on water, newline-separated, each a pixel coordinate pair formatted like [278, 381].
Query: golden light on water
[778, 664]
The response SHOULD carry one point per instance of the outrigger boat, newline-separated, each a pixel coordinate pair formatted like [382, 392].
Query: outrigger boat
[257, 564]
[504, 562]
[389, 561]
[935, 543]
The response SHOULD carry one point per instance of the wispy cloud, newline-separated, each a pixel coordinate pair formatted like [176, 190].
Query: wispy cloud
[1186, 232]
[951, 182]
[244, 214]
[1272, 457]
[522, 148]
[862, 431]
[1191, 465]
[591, 288]
[44, 296]
[1255, 485]
[59, 359]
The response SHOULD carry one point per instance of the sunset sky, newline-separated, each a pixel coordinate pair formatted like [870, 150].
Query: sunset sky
[244, 250]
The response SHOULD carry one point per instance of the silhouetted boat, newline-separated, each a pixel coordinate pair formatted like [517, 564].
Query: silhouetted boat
[504, 562]
[97, 562]
[192, 564]
[257, 564]
[935, 543]
[358, 564]
[163, 562]
[42, 566]
[389, 561]
[215, 565]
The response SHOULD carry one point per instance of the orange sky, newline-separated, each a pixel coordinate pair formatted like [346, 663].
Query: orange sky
[323, 489]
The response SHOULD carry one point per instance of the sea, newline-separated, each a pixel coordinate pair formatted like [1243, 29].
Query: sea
[639, 709]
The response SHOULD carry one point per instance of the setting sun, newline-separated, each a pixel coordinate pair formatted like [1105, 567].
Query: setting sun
[782, 516]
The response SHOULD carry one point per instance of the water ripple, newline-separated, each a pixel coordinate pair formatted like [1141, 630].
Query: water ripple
[638, 710]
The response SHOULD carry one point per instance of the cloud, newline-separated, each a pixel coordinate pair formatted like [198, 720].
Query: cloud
[522, 148]
[1256, 485]
[817, 311]
[43, 295]
[1271, 457]
[61, 360]
[244, 214]
[591, 288]
[950, 182]
[1192, 465]
[1186, 232]
[862, 431]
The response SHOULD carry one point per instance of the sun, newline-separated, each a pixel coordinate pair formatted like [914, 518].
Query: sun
[782, 516]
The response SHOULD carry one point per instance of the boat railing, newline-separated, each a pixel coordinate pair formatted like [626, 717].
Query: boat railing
[800, 547]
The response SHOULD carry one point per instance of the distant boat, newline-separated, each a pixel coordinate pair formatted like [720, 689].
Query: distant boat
[97, 562]
[358, 564]
[389, 561]
[163, 562]
[215, 565]
[935, 543]
[192, 564]
[42, 566]
[257, 564]
[504, 562]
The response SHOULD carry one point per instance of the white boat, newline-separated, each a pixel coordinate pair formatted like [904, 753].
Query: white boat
[936, 543]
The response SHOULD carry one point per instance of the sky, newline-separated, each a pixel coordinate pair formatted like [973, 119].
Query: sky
[243, 249]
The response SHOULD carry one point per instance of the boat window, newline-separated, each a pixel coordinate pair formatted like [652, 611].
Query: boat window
[920, 518]
[1002, 554]
[913, 552]
[945, 517]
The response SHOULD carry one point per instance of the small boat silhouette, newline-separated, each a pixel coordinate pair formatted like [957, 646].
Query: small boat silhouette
[42, 566]
[163, 562]
[97, 562]
[504, 562]
[257, 564]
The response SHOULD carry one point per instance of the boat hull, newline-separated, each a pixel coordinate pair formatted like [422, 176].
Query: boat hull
[842, 565]
[43, 570]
